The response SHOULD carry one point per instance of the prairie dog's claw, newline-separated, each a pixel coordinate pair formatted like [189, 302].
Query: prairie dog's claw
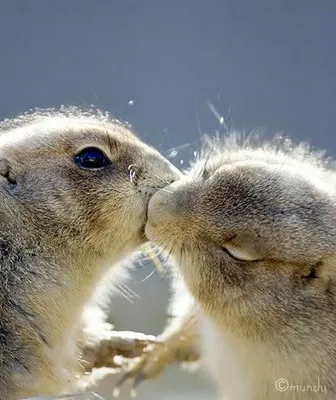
[153, 361]
[99, 349]
[136, 381]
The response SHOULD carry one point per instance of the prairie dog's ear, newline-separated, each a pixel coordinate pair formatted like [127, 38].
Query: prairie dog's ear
[7, 172]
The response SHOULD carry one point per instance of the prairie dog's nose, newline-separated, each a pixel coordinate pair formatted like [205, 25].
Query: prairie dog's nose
[161, 205]
[168, 204]
[173, 175]
[151, 175]
[162, 169]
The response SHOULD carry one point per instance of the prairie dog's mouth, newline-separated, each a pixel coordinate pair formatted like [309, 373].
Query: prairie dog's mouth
[149, 230]
[142, 233]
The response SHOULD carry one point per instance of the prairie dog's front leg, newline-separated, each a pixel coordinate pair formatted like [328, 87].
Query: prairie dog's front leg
[177, 344]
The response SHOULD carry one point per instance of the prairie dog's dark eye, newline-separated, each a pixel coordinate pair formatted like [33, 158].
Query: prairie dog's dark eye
[92, 158]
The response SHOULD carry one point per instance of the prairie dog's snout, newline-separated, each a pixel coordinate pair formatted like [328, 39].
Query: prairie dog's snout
[171, 204]
[161, 205]
[154, 174]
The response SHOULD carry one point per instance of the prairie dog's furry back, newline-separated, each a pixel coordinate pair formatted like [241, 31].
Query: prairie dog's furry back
[252, 230]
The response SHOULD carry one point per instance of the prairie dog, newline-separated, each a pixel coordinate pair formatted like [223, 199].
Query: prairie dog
[74, 189]
[252, 231]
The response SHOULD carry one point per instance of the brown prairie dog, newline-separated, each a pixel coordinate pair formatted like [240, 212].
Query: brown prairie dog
[252, 231]
[74, 189]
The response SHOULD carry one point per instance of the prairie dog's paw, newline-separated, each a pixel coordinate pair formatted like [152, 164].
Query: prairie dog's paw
[101, 346]
[155, 358]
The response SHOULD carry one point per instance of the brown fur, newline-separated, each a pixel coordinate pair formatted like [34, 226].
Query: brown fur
[270, 314]
[61, 227]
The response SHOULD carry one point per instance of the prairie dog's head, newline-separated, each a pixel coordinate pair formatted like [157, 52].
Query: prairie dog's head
[78, 177]
[252, 228]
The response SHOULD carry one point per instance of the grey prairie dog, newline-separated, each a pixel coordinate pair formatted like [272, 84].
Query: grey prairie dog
[251, 229]
[74, 189]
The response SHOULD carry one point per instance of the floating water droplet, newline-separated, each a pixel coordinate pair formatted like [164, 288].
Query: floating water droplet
[173, 153]
[131, 103]
[181, 162]
[221, 120]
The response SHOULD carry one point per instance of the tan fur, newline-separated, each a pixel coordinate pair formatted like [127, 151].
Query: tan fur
[61, 227]
[267, 319]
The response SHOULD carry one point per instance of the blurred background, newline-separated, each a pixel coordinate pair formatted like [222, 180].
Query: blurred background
[174, 69]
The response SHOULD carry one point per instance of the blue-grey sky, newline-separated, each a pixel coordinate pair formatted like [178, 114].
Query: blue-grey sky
[271, 63]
